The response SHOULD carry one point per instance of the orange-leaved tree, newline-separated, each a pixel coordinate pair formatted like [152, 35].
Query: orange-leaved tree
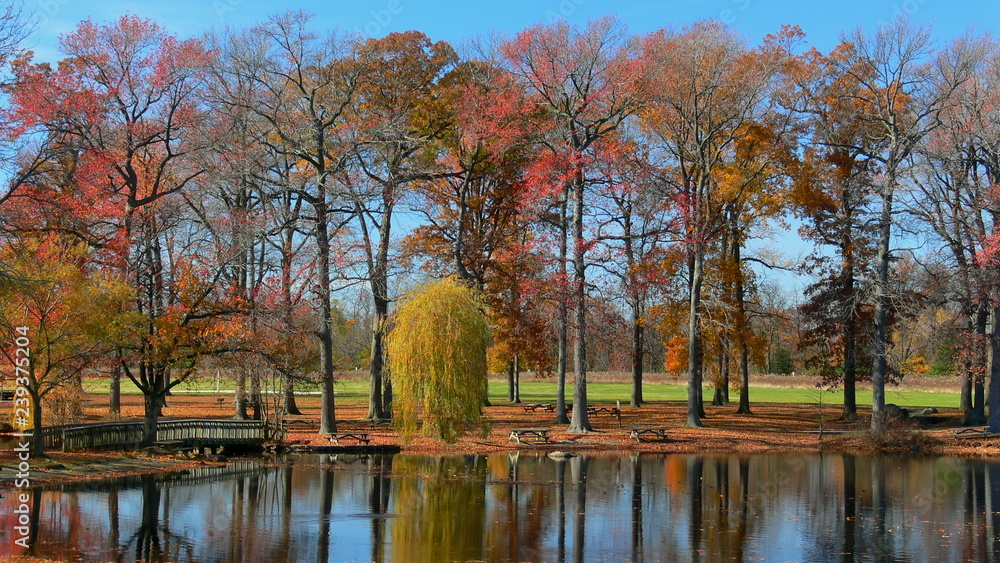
[68, 313]
[693, 123]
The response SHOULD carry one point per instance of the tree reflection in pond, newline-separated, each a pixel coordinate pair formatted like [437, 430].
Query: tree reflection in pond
[527, 507]
[442, 507]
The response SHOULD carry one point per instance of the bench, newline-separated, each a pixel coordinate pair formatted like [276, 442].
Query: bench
[359, 437]
[547, 407]
[301, 422]
[973, 432]
[376, 422]
[532, 435]
[6, 395]
[640, 433]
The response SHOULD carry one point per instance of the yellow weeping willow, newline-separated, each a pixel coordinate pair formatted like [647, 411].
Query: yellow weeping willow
[437, 356]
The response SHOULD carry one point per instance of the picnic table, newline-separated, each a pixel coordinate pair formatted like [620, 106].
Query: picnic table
[520, 435]
[548, 407]
[607, 410]
[640, 433]
[360, 437]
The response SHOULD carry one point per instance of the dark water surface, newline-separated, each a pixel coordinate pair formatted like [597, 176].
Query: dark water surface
[526, 507]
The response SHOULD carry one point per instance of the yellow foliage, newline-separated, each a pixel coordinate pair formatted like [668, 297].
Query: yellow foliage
[426, 496]
[437, 356]
[916, 365]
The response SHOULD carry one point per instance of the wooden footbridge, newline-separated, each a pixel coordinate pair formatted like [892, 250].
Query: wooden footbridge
[195, 433]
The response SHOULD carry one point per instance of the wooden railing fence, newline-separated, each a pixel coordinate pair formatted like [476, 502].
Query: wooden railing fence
[128, 435]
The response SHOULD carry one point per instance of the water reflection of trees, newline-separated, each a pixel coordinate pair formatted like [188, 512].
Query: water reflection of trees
[442, 508]
[522, 507]
[520, 499]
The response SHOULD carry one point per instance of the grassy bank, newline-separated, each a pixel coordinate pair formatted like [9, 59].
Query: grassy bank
[608, 388]
[544, 391]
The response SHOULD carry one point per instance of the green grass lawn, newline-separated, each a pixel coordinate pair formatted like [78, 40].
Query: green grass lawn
[600, 392]
[544, 392]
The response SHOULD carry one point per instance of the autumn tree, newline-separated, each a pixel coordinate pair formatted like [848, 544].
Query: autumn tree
[951, 204]
[899, 87]
[68, 310]
[480, 216]
[14, 29]
[253, 202]
[634, 224]
[833, 192]
[437, 349]
[693, 123]
[400, 117]
[128, 99]
[956, 178]
[587, 82]
[300, 88]
[754, 182]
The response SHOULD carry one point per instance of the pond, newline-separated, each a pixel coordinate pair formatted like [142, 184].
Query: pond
[528, 507]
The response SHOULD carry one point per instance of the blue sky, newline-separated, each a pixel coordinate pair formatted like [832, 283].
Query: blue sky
[453, 20]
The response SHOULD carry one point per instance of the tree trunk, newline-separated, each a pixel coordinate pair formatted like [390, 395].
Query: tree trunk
[994, 371]
[850, 412]
[387, 396]
[977, 414]
[376, 396]
[744, 378]
[850, 331]
[718, 398]
[965, 402]
[151, 403]
[288, 384]
[380, 393]
[288, 403]
[741, 328]
[719, 395]
[328, 416]
[240, 396]
[694, 405]
[256, 397]
[516, 369]
[580, 422]
[510, 381]
[115, 393]
[881, 344]
[37, 442]
[563, 319]
[638, 348]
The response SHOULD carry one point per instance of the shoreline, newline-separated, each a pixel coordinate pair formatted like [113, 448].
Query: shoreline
[772, 428]
[59, 468]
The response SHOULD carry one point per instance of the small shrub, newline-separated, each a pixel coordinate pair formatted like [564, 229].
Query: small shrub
[895, 436]
[63, 405]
